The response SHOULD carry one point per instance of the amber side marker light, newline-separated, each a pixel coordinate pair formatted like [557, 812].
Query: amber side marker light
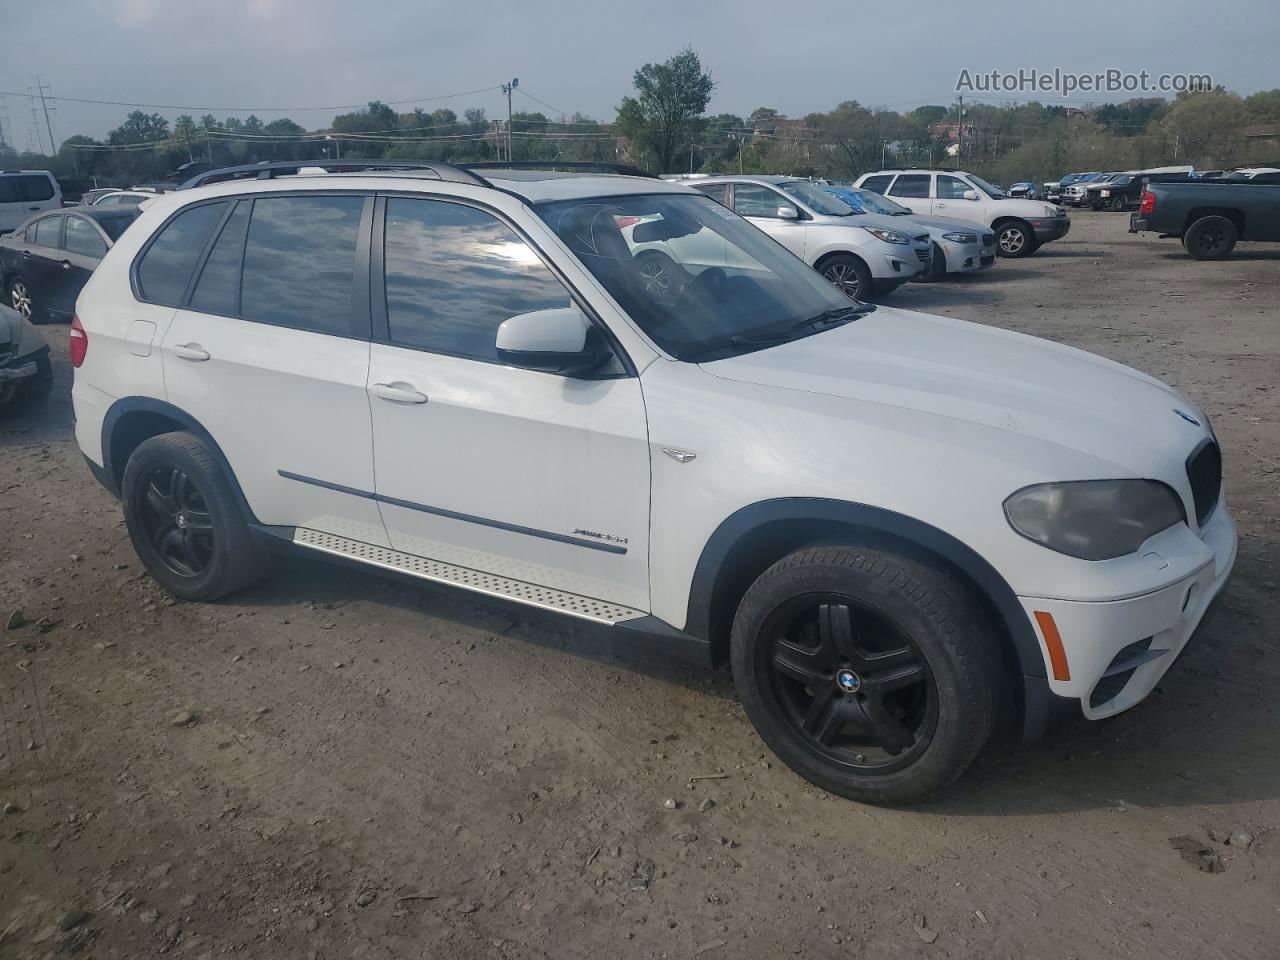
[1053, 640]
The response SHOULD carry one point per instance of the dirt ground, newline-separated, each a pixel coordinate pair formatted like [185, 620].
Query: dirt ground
[335, 765]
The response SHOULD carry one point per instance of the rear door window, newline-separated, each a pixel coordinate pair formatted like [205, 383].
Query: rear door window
[34, 188]
[716, 191]
[165, 268]
[218, 289]
[300, 261]
[911, 185]
[8, 190]
[48, 232]
[878, 183]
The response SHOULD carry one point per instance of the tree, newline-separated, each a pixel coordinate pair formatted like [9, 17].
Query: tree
[667, 113]
[140, 127]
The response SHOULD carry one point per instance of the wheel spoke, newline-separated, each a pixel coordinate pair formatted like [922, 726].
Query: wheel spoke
[895, 678]
[884, 726]
[830, 721]
[159, 501]
[189, 552]
[199, 521]
[819, 707]
[835, 631]
[800, 663]
[171, 544]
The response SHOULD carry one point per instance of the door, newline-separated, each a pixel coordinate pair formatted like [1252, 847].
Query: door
[40, 262]
[83, 248]
[950, 200]
[760, 205]
[534, 476]
[12, 210]
[24, 194]
[269, 352]
[913, 190]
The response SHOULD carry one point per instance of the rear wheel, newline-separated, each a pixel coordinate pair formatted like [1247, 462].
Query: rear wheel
[185, 522]
[23, 302]
[1015, 239]
[866, 672]
[1211, 238]
[849, 274]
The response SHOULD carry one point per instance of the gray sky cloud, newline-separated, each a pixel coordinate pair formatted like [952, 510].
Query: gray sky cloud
[580, 57]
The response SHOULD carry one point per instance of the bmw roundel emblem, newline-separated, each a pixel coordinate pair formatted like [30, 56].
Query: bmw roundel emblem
[1187, 417]
[848, 681]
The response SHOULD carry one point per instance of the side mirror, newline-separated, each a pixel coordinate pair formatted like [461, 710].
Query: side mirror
[787, 212]
[561, 340]
[971, 194]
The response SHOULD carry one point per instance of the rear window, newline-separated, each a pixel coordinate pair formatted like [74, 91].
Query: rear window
[166, 265]
[114, 226]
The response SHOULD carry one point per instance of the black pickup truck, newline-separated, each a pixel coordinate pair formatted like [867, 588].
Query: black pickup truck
[1209, 216]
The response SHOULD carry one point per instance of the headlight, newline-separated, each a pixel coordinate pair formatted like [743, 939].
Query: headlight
[1093, 519]
[888, 236]
[1050, 211]
[960, 237]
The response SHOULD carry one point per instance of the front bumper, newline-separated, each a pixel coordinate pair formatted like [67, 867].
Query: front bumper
[1050, 228]
[1116, 651]
[967, 257]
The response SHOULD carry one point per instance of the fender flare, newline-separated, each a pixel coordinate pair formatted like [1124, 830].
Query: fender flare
[121, 408]
[876, 522]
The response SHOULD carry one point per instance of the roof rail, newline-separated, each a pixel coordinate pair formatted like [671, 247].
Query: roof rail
[566, 166]
[278, 168]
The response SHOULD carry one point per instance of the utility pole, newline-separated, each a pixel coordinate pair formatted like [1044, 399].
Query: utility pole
[507, 88]
[883, 144]
[960, 131]
[48, 124]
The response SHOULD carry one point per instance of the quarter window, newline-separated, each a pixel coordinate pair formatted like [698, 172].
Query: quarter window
[454, 273]
[716, 191]
[299, 262]
[166, 266]
[47, 231]
[951, 188]
[911, 185]
[81, 238]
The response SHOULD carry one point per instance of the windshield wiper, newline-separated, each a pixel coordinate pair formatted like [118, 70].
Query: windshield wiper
[835, 316]
[739, 340]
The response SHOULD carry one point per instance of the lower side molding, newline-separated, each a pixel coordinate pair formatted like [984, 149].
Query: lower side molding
[546, 598]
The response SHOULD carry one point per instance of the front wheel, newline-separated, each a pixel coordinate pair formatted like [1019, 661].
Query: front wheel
[866, 672]
[1117, 204]
[1015, 239]
[849, 274]
[185, 522]
[22, 301]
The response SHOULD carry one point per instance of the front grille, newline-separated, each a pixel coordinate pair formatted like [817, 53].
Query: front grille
[1204, 470]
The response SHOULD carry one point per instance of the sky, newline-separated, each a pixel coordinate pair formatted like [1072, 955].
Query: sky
[252, 55]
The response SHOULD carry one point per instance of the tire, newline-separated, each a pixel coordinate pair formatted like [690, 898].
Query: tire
[937, 266]
[1014, 239]
[894, 731]
[1117, 204]
[185, 521]
[1211, 238]
[849, 274]
[21, 299]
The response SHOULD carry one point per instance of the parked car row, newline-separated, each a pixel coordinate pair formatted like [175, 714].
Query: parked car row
[1210, 216]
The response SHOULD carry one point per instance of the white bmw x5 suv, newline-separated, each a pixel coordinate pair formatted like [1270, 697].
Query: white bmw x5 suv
[893, 525]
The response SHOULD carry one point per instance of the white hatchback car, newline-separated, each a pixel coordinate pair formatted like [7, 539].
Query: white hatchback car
[1021, 226]
[894, 526]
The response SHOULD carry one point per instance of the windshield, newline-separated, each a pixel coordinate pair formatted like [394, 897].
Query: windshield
[988, 189]
[816, 199]
[872, 202]
[696, 277]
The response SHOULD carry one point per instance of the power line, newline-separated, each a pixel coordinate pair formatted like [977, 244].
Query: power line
[174, 106]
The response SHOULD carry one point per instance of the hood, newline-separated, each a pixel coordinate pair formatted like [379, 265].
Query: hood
[984, 375]
[1022, 207]
[911, 226]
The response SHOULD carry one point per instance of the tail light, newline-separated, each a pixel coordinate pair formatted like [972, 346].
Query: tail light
[1148, 202]
[78, 344]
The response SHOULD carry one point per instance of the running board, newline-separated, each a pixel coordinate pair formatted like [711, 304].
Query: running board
[437, 571]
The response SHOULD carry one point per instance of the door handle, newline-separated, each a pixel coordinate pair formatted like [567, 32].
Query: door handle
[66, 264]
[398, 393]
[34, 209]
[191, 351]
[26, 254]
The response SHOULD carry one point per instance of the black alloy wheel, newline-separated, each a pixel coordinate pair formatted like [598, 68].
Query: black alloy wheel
[176, 521]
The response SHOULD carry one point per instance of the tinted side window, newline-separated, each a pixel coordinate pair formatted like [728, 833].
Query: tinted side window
[299, 262]
[47, 231]
[454, 273]
[877, 184]
[716, 191]
[34, 188]
[218, 289]
[81, 238]
[166, 266]
[8, 190]
[753, 201]
[911, 185]
[951, 188]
